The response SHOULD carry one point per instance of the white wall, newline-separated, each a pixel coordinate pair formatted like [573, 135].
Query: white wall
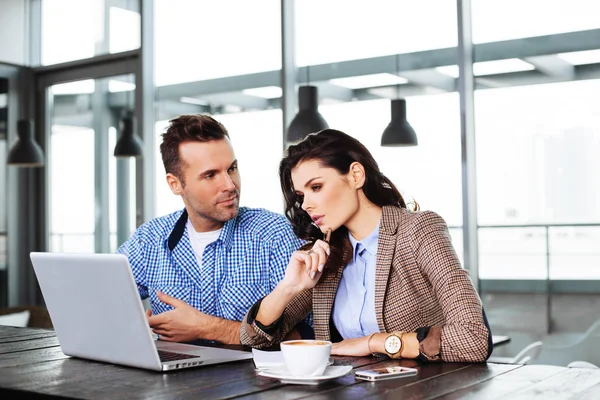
[13, 28]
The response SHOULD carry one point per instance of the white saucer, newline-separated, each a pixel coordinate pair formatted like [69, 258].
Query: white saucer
[331, 372]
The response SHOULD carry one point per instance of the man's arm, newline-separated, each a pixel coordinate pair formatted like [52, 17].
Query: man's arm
[226, 331]
[185, 324]
[133, 249]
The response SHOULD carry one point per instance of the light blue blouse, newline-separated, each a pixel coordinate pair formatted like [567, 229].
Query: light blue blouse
[354, 306]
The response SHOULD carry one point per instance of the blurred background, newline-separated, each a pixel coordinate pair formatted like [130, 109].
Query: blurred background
[502, 97]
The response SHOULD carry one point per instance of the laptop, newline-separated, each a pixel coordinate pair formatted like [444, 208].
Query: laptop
[97, 314]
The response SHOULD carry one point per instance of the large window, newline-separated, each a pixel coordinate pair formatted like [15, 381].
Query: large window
[206, 39]
[75, 29]
[84, 193]
[495, 20]
[339, 30]
[537, 150]
[197, 71]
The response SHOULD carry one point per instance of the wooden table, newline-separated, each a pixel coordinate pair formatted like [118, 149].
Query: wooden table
[32, 366]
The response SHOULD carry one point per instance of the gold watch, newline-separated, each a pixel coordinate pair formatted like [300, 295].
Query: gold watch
[393, 344]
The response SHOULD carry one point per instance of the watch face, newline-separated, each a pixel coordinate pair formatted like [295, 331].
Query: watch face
[393, 344]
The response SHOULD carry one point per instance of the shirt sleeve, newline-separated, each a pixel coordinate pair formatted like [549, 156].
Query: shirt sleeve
[464, 337]
[133, 249]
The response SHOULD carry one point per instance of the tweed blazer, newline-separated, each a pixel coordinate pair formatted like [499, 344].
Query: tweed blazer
[419, 282]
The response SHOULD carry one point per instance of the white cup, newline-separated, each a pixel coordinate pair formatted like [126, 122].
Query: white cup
[306, 357]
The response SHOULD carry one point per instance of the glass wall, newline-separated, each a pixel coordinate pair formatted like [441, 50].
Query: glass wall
[538, 136]
[429, 173]
[198, 73]
[496, 20]
[83, 171]
[215, 39]
[338, 30]
[75, 29]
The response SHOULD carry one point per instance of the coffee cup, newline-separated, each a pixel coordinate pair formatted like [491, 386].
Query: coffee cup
[306, 357]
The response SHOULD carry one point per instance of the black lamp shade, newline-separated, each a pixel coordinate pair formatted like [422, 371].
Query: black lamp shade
[399, 132]
[308, 119]
[128, 144]
[25, 152]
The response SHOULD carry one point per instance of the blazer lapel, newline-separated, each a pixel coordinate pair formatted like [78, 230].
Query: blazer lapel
[385, 254]
[323, 299]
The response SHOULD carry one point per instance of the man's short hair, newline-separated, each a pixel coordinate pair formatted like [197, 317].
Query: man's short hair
[187, 128]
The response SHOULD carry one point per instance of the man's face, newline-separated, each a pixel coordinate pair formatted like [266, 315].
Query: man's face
[210, 187]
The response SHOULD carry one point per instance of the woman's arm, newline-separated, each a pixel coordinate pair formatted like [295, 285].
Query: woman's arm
[258, 335]
[464, 337]
[289, 302]
[375, 343]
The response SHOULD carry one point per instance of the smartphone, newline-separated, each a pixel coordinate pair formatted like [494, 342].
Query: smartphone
[378, 374]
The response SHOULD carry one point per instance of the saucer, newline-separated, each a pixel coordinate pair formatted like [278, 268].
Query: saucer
[331, 372]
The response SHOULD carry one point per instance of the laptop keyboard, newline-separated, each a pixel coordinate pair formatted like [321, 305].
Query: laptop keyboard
[170, 356]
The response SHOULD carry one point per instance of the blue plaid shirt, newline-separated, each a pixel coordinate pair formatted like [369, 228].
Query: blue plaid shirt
[243, 265]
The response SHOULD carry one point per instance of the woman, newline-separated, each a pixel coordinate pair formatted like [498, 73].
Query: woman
[388, 281]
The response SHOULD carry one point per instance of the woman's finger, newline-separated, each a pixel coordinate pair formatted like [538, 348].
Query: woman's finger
[304, 258]
[322, 258]
[322, 245]
[314, 266]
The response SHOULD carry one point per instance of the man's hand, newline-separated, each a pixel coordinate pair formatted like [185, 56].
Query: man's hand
[182, 324]
[185, 323]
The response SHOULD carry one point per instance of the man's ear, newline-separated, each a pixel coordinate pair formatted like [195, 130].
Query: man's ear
[357, 175]
[175, 184]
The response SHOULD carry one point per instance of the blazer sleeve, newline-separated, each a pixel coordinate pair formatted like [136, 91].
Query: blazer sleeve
[464, 337]
[254, 334]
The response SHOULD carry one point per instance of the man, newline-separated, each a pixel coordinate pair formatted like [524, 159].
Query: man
[203, 267]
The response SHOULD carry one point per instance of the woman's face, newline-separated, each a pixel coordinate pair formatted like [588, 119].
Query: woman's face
[331, 199]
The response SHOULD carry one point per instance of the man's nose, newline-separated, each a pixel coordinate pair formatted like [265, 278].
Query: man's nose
[228, 184]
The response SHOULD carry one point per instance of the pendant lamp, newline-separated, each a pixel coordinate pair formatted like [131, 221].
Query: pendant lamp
[128, 144]
[399, 133]
[308, 119]
[25, 152]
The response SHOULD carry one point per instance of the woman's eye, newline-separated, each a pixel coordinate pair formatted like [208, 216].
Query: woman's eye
[316, 187]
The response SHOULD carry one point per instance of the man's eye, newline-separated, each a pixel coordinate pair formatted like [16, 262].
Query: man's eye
[233, 168]
[209, 176]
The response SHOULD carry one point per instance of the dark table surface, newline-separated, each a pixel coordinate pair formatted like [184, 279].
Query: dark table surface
[33, 366]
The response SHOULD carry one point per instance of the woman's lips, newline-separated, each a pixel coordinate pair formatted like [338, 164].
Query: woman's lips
[318, 219]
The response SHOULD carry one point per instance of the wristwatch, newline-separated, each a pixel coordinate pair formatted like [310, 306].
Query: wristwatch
[393, 345]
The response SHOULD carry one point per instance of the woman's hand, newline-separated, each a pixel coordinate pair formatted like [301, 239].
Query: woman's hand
[352, 347]
[303, 272]
[306, 267]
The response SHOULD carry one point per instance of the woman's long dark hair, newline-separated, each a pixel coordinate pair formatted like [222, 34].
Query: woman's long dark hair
[337, 150]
